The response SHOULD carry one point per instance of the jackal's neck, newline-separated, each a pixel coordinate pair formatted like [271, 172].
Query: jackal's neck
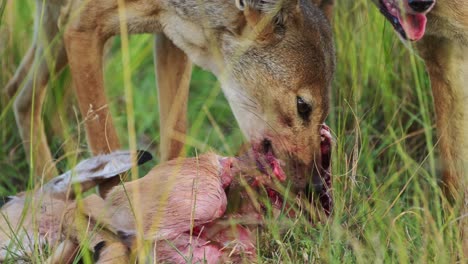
[199, 28]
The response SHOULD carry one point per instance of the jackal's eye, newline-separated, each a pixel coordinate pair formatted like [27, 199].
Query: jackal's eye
[304, 109]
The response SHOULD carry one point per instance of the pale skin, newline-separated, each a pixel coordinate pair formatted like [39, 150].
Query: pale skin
[164, 205]
[248, 45]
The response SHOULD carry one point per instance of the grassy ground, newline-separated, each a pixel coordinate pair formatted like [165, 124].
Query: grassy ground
[385, 166]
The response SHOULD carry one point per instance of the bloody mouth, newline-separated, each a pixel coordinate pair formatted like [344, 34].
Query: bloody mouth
[268, 164]
[409, 26]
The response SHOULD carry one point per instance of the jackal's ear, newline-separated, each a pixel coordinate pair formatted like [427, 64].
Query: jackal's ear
[90, 172]
[267, 18]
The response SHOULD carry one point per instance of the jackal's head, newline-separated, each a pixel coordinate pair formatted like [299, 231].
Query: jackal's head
[278, 71]
[408, 17]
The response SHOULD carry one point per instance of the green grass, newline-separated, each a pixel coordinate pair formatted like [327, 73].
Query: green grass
[385, 165]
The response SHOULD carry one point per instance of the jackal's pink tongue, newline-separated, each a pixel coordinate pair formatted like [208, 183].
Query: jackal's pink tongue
[414, 26]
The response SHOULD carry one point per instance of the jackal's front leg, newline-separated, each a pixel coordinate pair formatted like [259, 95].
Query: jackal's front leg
[446, 62]
[173, 73]
[452, 134]
[44, 61]
[85, 51]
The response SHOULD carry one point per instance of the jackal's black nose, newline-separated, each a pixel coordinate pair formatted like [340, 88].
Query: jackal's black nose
[421, 6]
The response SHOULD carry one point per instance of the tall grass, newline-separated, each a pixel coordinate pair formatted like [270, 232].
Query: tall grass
[388, 204]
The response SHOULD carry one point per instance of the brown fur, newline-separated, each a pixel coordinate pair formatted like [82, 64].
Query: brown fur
[264, 56]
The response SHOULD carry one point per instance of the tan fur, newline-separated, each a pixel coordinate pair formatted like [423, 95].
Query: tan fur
[43, 59]
[261, 74]
[445, 52]
[444, 49]
[173, 76]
